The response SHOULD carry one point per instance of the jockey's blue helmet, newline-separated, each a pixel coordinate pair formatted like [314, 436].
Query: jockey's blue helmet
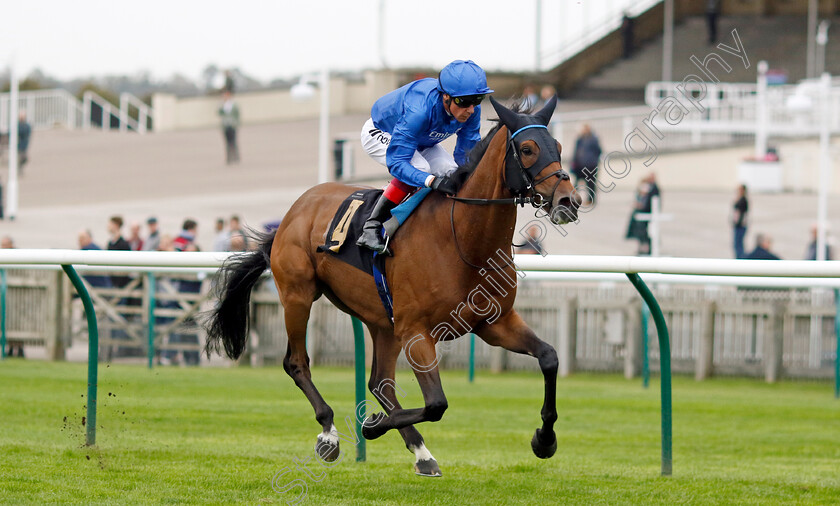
[463, 78]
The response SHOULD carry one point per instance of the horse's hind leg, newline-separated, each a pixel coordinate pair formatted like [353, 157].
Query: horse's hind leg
[384, 388]
[297, 297]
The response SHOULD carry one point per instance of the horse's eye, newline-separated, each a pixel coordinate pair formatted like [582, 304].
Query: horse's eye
[527, 151]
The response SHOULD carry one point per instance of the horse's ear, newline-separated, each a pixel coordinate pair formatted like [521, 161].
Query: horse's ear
[544, 116]
[508, 118]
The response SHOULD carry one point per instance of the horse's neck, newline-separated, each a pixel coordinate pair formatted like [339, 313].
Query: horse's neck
[485, 228]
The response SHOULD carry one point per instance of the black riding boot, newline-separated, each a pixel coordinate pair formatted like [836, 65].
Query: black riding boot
[371, 237]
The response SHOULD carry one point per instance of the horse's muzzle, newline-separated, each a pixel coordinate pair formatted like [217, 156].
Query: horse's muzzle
[565, 211]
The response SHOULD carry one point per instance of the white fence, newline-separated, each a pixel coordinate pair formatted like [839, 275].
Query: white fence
[594, 321]
[715, 115]
[44, 109]
[59, 108]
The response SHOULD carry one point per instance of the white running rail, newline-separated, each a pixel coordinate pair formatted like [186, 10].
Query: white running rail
[549, 263]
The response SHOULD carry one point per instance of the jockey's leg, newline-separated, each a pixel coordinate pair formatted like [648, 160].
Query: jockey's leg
[371, 236]
[441, 162]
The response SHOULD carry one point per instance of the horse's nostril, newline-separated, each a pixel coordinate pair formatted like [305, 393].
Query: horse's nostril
[564, 212]
[569, 203]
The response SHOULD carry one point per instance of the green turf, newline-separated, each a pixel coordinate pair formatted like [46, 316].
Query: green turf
[174, 435]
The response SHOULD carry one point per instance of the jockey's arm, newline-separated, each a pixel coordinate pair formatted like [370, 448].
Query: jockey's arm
[468, 136]
[404, 143]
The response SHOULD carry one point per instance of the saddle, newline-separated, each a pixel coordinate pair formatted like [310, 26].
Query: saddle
[346, 226]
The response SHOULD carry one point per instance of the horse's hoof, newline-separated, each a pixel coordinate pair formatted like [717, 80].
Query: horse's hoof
[327, 450]
[373, 427]
[543, 448]
[428, 468]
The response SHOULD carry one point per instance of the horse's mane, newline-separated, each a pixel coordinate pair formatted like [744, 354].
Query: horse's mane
[475, 155]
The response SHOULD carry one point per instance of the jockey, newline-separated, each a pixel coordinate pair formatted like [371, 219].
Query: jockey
[404, 132]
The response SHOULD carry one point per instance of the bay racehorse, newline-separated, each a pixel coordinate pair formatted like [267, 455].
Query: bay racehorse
[451, 273]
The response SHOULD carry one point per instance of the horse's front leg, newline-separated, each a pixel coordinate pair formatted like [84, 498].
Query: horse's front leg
[511, 333]
[420, 352]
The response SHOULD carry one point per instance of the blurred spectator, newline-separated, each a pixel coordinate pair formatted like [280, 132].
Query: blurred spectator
[186, 239]
[739, 220]
[229, 112]
[529, 97]
[763, 244]
[237, 242]
[186, 242]
[811, 253]
[627, 35]
[533, 244]
[167, 243]
[222, 240]
[546, 93]
[86, 243]
[135, 242]
[152, 242]
[712, 14]
[236, 228]
[7, 242]
[585, 161]
[638, 228]
[117, 243]
[24, 136]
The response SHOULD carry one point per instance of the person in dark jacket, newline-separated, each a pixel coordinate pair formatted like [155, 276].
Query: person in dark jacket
[86, 243]
[585, 160]
[739, 221]
[24, 135]
[638, 229]
[811, 254]
[763, 243]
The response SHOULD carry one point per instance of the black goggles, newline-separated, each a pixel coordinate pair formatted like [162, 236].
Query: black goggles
[468, 100]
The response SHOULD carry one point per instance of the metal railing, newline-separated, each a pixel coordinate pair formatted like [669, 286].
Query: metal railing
[44, 109]
[598, 19]
[710, 115]
[792, 110]
[144, 113]
[50, 108]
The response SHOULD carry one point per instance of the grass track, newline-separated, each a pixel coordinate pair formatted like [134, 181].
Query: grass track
[199, 436]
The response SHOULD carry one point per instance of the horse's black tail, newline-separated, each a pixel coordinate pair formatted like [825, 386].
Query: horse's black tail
[227, 323]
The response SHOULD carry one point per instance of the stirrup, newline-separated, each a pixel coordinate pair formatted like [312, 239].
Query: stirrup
[385, 251]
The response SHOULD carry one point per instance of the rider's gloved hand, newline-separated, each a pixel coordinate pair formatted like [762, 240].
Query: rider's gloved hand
[443, 185]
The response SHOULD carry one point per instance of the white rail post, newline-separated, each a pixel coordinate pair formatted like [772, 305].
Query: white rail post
[123, 112]
[106, 115]
[143, 118]
[324, 128]
[12, 191]
[825, 164]
[71, 111]
[668, 42]
[761, 112]
[86, 111]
